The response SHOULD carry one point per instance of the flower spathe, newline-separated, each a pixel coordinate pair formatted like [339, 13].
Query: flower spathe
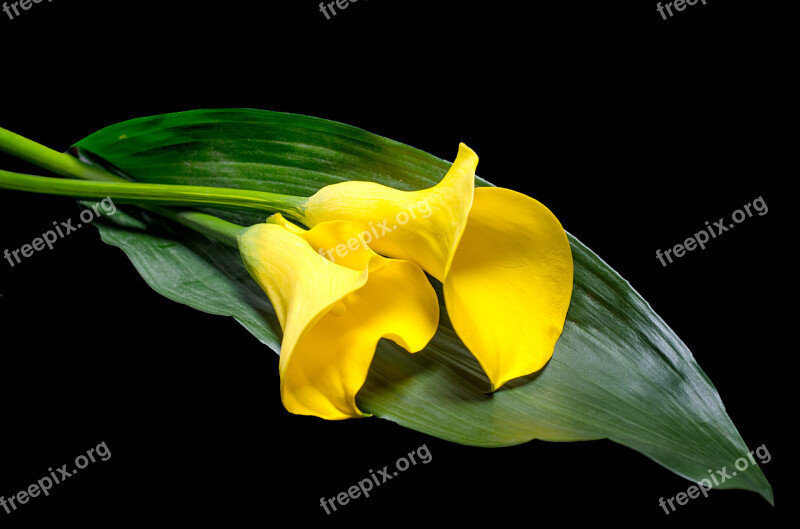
[332, 315]
[503, 258]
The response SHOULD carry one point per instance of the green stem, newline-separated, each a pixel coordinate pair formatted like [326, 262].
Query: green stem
[164, 194]
[209, 225]
[110, 185]
[66, 165]
[150, 194]
[57, 162]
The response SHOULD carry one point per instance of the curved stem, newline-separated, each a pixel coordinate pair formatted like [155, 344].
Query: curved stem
[164, 194]
[46, 158]
[104, 184]
[110, 185]
[209, 225]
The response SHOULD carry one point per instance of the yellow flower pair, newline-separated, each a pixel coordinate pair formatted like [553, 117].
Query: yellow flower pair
[503, 258]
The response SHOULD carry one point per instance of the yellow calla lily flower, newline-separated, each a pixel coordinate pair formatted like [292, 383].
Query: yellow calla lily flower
[333, 316]
[503, 257]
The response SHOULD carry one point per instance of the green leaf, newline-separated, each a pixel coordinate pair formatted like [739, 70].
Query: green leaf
[618, 371]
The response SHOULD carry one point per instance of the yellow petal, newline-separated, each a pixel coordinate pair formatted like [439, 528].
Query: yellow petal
[420, 226]
[503, 258]
[510, 283]
[333, 316]
[340, 242]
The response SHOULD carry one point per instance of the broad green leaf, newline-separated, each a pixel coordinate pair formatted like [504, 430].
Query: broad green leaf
[618, 371]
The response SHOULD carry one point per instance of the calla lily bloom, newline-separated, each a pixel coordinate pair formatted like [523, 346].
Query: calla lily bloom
[333, 315]
[503, 258]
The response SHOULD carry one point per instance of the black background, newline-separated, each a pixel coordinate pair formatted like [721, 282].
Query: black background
[634, 131]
